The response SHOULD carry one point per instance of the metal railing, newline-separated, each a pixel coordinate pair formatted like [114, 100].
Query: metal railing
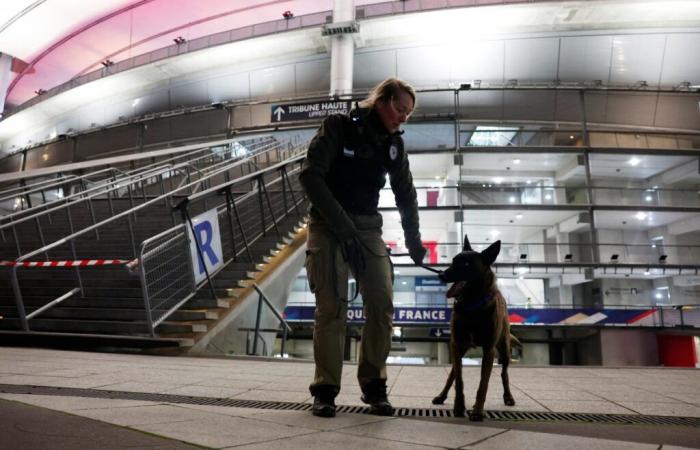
[262, 298]
[205, 159]
[168, 281]
[270, 154]
[574, 255]
[126, 187]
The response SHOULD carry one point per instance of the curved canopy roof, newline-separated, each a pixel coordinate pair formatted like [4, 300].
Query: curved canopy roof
[60, 40]
[57, 41]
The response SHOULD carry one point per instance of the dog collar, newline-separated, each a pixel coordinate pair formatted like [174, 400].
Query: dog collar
[487, 298]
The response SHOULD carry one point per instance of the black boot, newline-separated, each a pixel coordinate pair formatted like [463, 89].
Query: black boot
[324, 401]
[374, 394]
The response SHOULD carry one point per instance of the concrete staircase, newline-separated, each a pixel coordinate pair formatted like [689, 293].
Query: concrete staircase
[111, 312]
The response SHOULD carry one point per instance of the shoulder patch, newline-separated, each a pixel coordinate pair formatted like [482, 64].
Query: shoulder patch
[393, 152]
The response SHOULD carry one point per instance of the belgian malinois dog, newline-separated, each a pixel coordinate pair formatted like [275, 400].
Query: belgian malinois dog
[479, 318]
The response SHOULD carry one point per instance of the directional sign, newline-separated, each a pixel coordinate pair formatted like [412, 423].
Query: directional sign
[307, 111]
[440, 332]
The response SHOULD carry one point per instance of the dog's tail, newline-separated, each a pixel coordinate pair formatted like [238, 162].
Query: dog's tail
[515, 342]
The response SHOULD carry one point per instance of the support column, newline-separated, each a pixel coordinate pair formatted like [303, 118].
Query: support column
[5, 75]
[342, 51]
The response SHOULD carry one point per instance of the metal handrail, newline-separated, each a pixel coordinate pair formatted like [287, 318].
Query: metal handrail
[283, 322]
[16, 176]
[265, 138]
[119, 182]
[133, 171]
[9, 193]
[239, 200]
[70, 238]
[116, 185]
[214, 191]
[124, 213]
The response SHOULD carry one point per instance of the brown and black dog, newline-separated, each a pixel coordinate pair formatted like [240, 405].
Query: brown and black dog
[479, 318]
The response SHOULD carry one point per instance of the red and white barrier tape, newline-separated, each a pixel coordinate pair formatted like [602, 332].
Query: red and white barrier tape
[76, 263]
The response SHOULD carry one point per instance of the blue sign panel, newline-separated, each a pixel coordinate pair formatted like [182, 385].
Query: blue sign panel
[440, 316]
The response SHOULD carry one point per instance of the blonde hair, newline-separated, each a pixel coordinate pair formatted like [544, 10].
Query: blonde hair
[384, 91]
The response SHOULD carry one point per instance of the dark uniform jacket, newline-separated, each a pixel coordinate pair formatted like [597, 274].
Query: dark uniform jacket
[345, 168]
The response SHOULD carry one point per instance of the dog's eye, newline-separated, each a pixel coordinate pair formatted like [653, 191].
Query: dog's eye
[466, 264]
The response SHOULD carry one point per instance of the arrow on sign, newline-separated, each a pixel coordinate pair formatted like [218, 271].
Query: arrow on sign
[438, 333]
[278, 112]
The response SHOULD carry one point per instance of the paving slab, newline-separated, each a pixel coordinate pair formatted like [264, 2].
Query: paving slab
[28, 427]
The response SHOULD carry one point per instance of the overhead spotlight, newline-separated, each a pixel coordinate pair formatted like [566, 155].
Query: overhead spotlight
[614, 258]
[634, 161]
[40, 91]
[662, 259]
[516, 161]
[287, 14]
[465, 86]
[179, 40]
[107, 62]
[568, 257]
[641, 84]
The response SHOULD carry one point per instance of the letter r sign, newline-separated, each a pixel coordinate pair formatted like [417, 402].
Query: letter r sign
[206, 234]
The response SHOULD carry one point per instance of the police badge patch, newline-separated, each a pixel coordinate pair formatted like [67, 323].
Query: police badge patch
[393, 152]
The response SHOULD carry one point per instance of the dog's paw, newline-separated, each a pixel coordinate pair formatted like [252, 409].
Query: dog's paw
[439, 400]
[508, 400]
[476, 416]
[459, 412]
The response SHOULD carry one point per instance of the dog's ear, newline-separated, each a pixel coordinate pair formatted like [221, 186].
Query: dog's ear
[489, 255]
[467, 246]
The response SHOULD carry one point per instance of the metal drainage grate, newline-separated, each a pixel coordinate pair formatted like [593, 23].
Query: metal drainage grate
[619, 419]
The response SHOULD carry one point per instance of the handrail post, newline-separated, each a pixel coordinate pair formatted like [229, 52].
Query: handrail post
[269, 205]
[18, 300]
[144, 290]
[284, 341]
[279, 316]
[74, 253]
[240, 226]
[229, 215]
[260, 203]
[257, 323]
